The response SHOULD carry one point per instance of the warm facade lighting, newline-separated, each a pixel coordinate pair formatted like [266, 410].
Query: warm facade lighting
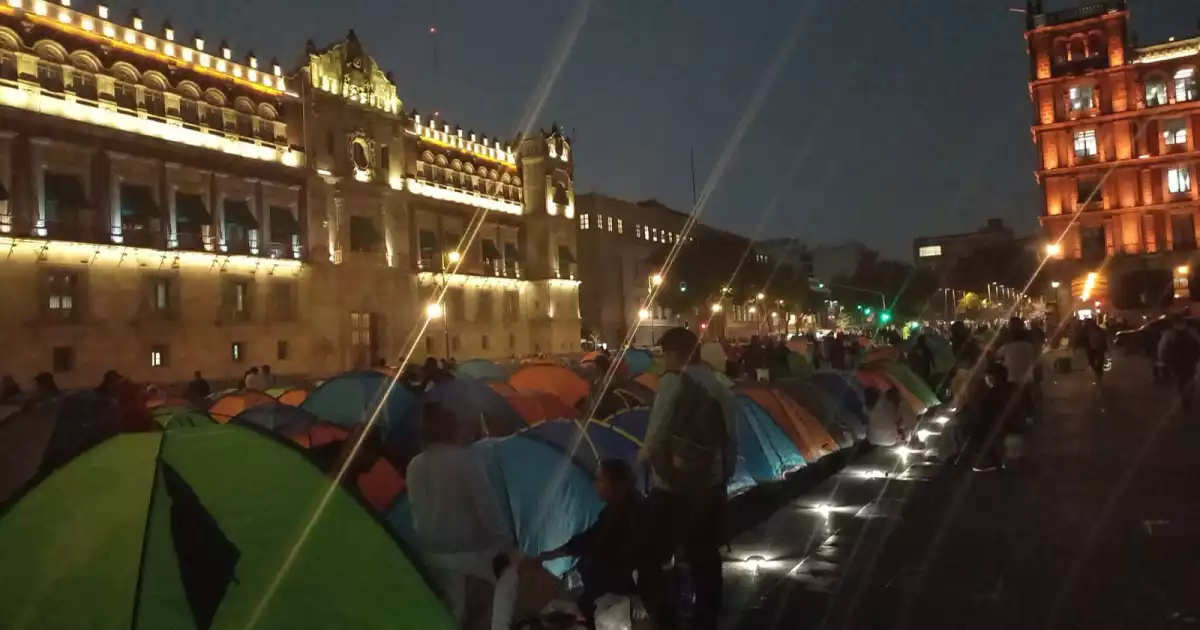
[430, 278]
[135, 258]
[716, 308]
[656, 279]
[1088, 285]
[424, 189]
[1182, 270]
[643, 314]
[433, 311]
[1053, 249]
[454, 257]
[50, 106]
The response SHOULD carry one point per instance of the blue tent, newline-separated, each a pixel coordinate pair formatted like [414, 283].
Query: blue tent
[840, 425]
[587, 449]
[349, 398]
[547, 497]
[276, 417]
[481, 369]
[847, 391]
[482, 411]
[768, 452]
[639, 360]
[633, 423]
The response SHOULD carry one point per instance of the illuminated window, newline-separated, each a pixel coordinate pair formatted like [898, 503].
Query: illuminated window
[1085, 143]
[1175, 131]
[158, 356]
[1179, 179]
[637, 231]
[1156, 92]
[160, 298]
[929, 251]
[1080, 97]
[1185, 85]
[583, 221]
[236, 352]
[64, 291]
[610, 224]
[620, 226]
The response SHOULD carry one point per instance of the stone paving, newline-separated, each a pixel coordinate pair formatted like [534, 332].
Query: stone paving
[1096, 524]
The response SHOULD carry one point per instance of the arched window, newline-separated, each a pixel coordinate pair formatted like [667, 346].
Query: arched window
[125, 72]
[86, 61]
[469, 168]
[505, 178]
[187, 89]
[1096, 44]
[50, 51]
[243, 105]
[1185, 85]
[9, 40]
[214, 97]
[267, 112]
[441, 160]
[456, 165]
[1060, 50]
[516, 181]
[1077, 48]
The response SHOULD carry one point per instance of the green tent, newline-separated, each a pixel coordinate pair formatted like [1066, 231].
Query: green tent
[188, 529]
[178, 417]
[909, 379]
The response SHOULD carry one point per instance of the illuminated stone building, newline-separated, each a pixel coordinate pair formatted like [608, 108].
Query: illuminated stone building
[1115, 129]
[168, 206]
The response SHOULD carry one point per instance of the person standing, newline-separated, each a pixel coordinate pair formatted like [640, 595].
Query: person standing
[691, 448]
[268, 381]
[1095, 345]
[992, 417]
[198, 389]
[1179, 353]
[461, 530]
[254, 380]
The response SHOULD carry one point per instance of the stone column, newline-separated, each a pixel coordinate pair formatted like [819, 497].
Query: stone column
[38, 170]
[218, 210]
[170, 189]
[114, 199]
[260, 238]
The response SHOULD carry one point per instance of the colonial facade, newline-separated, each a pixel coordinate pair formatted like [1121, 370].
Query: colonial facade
[167, 206]
[1115, 128]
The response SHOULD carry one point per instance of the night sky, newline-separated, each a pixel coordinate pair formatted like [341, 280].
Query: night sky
[894, 118]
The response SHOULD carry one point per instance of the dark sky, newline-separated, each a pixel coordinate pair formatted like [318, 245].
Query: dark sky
[898, 118]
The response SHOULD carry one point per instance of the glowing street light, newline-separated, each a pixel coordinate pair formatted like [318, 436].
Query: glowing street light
[1053, 249]
[643, 314]
[454, 257]
[433, 311]
[656, 279]
[761, 296]
[753, 310]
[1055, 284]
[716, 307]
[1182, 270]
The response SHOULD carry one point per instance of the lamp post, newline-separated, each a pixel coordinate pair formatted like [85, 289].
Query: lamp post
[656, 281]
[436, 310]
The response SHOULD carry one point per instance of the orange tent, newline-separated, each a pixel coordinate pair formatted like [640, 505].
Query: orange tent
[537, 407]
[381, 485]
[502, 388]
[552, 379]
[232, 403]
[294, 396]
[804, 429]
[649, 379]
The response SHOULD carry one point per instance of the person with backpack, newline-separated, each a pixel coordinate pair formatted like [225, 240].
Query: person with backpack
[1095, 345]
[1179, 354]
[691, 448]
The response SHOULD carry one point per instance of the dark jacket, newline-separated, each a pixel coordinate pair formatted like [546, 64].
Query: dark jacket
[605, 550]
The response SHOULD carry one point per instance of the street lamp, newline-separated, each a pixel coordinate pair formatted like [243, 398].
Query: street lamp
[644, 314]
[1182, 270]
[433, 311]
[716, 307]
[761, 296]
[454, 257]
[1053, 249]
[656, 280]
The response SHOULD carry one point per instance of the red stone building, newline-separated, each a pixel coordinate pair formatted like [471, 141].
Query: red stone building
[1115, 128]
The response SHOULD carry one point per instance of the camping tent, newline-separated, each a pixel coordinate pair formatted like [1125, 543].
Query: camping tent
[820, 405]
[45, 435]
[535, 407]
[290, 395]
[178, 417]
[634, 423]
[173, 530]
[227, 404]
[481, 369]
[802, 427]
[349, 399]
[553, 379]
[768, 452]
[847, 392]
[639, 360]
[481, 411]
[591, 446]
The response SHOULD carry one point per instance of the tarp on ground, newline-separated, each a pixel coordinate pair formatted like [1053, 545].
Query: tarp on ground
[480, 369]
[768, 452]
[230, 403]
[188, 529]
[536, 407]
[806, 432]
[45, 435]
[820, 405]
[480, 411]
[633, 424]
[348, 399]
[180, 416]
[553, 379]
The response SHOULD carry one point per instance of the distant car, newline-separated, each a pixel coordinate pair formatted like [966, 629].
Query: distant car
[1144, 340]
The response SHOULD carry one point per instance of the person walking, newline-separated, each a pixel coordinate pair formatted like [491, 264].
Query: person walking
[691, 448]
[1179, 354]
[461, 530]
[1095, 345]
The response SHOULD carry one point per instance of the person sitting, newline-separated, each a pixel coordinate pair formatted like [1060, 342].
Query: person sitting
[605, 549]
[883, 426]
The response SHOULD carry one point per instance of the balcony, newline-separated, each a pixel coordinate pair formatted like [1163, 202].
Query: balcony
[1083, 65]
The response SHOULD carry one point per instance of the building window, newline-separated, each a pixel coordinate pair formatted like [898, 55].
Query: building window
[63, 295]
[281, 350]
[637, 231]
[62, 359]
[1156, 92]
[1085, 143]
[454, 343]
[929, 251]
[427, 246]
[610, 224]
[236, 352]
[583, 221]
[485, 342]
[455, 304]
[1087, 191]
[512, 306]
[512, 341]
[158, 356]
[1094, 243]
[620, 226]
[362, 337]
[162, 297]
[1183, 231]
[484, 308]
[1185, 85]
[566, 263]
[237, 301]
[283, 302]
[599, 221]
[385, 158]
[1175, 131]
[1179, 179]
[428, 345]
[1080, 97]
[364, 237]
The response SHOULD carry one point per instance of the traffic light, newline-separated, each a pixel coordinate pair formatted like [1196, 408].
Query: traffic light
[859, 307]
[866, 311]
[885, 317]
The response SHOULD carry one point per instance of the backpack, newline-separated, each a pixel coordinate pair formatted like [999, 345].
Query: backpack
[693, 457]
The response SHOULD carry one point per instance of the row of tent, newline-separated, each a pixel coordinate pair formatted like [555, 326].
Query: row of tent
[183, 528]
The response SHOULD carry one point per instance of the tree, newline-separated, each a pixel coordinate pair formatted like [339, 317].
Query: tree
[1006, 263]
[907, 290]
[969, 303]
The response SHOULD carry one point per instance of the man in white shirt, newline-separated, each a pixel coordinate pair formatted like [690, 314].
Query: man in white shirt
[461, 528]
[1017, 355]
[679, 519]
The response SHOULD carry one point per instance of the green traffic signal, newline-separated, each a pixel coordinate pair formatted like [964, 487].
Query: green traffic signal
[885, 317]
